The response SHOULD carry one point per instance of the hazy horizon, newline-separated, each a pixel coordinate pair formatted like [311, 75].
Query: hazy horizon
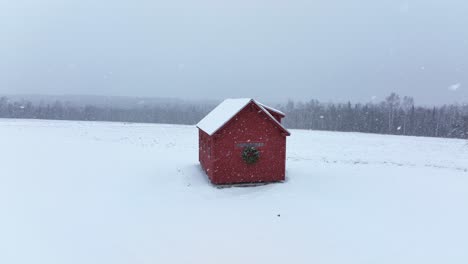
[81, 98]
[357, 51]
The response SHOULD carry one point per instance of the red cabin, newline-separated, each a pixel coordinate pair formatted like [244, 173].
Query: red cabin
[243, 141]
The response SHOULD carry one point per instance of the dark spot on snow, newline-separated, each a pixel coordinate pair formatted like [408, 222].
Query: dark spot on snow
[279, 215]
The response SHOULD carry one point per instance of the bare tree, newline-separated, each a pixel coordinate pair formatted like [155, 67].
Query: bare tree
[393, 102]
[408, 109]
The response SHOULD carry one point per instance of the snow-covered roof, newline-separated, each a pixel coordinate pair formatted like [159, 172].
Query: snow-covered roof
[227, 110]
[271, 109]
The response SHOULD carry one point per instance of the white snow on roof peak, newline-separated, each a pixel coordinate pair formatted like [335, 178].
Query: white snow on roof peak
[225, 111]
[271, 109]
[222, 114]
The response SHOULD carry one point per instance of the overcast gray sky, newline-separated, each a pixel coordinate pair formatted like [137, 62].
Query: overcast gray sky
[272, 50]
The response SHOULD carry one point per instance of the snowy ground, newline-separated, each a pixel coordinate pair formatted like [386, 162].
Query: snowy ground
[84, 192]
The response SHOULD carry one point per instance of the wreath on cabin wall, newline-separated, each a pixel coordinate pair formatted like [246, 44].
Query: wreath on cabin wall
[250, 154]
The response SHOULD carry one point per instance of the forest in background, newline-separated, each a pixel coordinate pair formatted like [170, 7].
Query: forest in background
[395, 115]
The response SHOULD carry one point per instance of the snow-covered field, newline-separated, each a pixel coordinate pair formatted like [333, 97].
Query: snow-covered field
[89, 192]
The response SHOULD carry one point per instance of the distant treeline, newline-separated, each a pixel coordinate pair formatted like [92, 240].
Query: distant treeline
[167, 113]
[395, 115]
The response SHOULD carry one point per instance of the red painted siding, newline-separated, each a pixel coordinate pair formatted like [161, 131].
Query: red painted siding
[225, 164]
[205, 149]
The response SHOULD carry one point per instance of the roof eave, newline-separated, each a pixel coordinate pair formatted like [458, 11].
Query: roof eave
[272, 109]
[272, 118]
[263, 107]
[227, 121]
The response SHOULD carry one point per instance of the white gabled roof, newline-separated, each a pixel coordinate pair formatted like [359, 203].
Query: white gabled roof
[225, 111]
[271, 109]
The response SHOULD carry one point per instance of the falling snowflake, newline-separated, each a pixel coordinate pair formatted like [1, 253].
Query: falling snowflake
[454, 87]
